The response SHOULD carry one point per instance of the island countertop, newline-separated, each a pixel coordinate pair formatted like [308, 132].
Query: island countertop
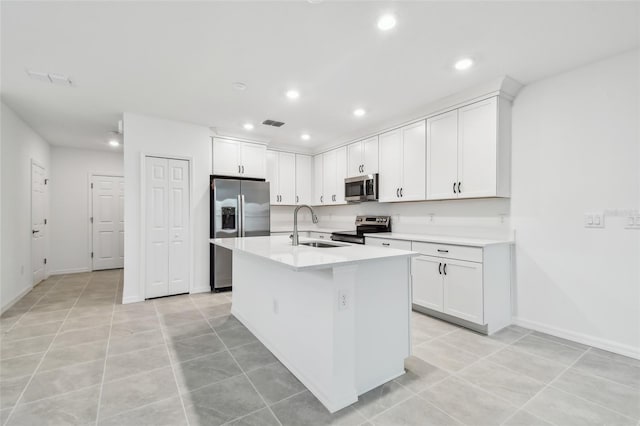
[299, 258]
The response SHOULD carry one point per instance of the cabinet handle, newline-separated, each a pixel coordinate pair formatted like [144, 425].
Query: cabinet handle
[321, 198]
[239, 169]
[454, 188]
[401, 192]
[242, 169]
[385, 244]
[397, 192]
[459, 190]
[440, 268]
[297, 199]
[443, 251]
[444, 269]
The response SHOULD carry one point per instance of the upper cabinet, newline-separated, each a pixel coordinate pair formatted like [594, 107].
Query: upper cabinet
[330, 170]
[402, 164]
[241, 159]
[468, 151]
[362, 157]
[281, 174]
[303, 179]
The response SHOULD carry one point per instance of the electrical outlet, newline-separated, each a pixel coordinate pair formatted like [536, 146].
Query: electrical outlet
[594, 220]
[633, 222]
[343, 301]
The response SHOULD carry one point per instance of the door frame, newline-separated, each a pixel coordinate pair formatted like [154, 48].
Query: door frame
[35, 162]
[90, 177]
[142, 235]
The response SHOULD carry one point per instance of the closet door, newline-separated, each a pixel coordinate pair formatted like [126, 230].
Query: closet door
[157, 227]
[167, 254]
[178, 213]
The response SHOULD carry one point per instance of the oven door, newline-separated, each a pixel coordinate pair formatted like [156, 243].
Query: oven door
[361, 188]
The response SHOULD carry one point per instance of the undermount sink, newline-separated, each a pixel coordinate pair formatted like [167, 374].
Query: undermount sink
[320, 244]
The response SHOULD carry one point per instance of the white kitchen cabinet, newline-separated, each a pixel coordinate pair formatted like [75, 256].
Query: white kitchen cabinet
[332, 175]
[402, 164]
[468, 151]
[318, 189]
[241, 159]
[389, 243]
[303, 179]
[427, 282]
[362, 157]
[281, 174]
[471, 284]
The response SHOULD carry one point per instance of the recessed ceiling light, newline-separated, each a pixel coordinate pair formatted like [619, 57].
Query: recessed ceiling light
[248, 126]
[293, 94]
[238, 85]
[305, 137]
[386, 22]
[463, 64]
[114, 143]
[359, 112]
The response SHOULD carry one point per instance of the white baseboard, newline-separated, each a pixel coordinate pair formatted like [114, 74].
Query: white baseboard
[69, 271]
[197, 290]
[596, 342]
[131, 299]
[14, 300]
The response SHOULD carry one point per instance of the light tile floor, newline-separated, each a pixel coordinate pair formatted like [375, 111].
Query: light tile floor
[71, 354]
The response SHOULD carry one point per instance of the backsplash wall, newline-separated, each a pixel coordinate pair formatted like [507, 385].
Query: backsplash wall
[488, 218]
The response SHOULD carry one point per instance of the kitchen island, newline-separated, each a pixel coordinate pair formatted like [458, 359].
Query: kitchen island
[337, 317]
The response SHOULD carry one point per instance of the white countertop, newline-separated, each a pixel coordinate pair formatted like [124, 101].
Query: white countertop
[279, 249]
[439, 239]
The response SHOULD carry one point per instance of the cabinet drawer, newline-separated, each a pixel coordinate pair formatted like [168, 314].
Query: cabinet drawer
[383, 242]
[320, 235]
[471, 254]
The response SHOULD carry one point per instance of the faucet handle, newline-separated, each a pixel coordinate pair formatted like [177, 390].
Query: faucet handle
[291, 237]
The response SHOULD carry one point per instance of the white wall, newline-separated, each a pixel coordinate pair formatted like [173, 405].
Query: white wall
[70, 203]
[147, 135]
[20, 145]
[576, 149]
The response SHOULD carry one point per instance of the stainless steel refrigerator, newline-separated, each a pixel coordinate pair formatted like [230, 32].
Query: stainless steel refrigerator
[239, 208]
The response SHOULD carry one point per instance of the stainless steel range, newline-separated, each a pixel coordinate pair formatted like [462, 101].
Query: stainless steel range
[364, 225]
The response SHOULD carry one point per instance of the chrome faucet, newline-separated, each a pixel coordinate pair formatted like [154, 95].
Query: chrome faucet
[314, 218]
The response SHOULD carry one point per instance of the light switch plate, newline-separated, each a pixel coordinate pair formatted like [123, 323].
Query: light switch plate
[594, 220]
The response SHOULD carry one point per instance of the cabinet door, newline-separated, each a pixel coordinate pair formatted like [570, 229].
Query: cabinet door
[303, 179]
[272, 177]
[287, 178]
[341, 174]
[318, 181]
[354, 162]
[413, 162]
[253, 160]
[477, 144]
[463, 290]
[427, 282]
[226, 157]
[442, 156]
[329, 173]
[370, 156]
[390, 162]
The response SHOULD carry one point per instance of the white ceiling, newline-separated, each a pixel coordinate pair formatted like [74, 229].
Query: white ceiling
[178, 60]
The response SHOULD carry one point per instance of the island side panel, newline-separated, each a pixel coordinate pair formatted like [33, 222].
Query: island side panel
[383, 316]
[293, 313]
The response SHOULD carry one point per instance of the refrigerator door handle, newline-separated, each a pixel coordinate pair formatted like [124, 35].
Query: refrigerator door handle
[239, 216]
[242, 234]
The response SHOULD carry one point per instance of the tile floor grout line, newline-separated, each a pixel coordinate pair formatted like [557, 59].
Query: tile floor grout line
[173, 371]
[263, 408]
[137, 408]
[264, 401]
[106, 351]
[35, 371]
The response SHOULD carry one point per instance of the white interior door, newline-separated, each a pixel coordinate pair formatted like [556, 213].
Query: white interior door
[167, 227]
[107, 208]
[178, 226]
[38, 227]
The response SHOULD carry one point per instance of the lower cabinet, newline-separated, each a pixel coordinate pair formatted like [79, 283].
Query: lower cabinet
[467, 283]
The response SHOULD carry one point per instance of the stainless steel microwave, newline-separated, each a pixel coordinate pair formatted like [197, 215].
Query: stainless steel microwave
[361, 188]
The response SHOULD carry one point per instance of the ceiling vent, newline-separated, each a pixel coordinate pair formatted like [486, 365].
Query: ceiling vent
[273, 123]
